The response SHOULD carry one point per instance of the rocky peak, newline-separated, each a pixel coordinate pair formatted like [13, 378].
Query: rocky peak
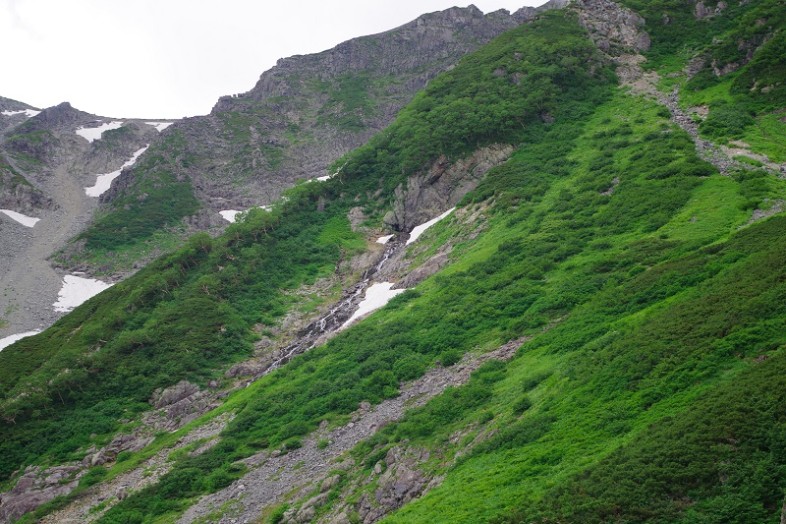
[61, 116]
[433, 37]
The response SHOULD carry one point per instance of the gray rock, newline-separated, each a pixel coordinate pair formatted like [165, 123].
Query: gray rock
[36, 487]
[173, 394]
[429, 194]
[613, 28]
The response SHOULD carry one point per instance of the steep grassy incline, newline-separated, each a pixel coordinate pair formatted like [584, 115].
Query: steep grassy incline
[191, 313]
[727, 60]
[650, 384]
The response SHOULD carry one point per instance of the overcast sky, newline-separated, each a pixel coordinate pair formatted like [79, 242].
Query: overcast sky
[174, 58]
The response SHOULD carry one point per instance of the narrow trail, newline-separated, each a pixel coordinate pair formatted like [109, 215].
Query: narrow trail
[272, 475]
[28, 283]
[721, 157]
[707, 150]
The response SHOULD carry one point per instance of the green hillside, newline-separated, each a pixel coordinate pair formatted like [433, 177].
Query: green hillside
[647, 288]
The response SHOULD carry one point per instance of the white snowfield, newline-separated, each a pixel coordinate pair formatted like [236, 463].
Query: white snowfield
[230, 215]
[94, 133]
[103, 182]
[160, 126]
[377, 295]
[385, 239]
[76, 290]
[419, 230]
[325, 178]
[7, 341]
[27, 112]
[19, 217]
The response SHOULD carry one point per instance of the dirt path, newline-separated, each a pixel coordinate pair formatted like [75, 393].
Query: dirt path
[28, 284]
[645, 83]
[272, 476]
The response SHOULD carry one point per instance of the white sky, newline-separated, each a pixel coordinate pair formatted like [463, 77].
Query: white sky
[174, 58]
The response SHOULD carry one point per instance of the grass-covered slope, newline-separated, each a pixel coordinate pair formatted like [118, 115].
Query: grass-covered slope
[730, 60]
[651, 385]
[190, 312]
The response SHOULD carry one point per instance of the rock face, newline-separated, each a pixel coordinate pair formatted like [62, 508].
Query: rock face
[701, 11]
[431, 193]
[35, 488]
[613, 28]
[401, 482]
[308, 110]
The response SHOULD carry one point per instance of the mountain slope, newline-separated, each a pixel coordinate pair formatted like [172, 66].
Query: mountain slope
[301, 116]
[46, 168]
[607, 307]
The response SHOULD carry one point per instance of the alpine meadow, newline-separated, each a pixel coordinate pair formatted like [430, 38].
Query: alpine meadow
[594, 331]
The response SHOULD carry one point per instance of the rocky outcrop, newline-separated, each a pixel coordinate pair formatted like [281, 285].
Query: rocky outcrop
[429, 194]
[36, 487]
[179, 404]
[702, 11]
[613, 28]
[401, 482]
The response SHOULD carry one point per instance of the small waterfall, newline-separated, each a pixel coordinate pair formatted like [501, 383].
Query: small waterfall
[332, 321]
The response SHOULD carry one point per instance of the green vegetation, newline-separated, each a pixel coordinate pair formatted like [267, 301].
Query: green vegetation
[767, 136]
[30, 147]
[650, 388]
[474, 105]
[10, 178]
[177, 318]
[743, 78]
[348, 103]
[155, 201]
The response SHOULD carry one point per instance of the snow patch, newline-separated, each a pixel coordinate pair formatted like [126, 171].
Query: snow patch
[419, 230]
[7, 341]
[377, 295]
[19, 217]
[27, 112]
[160, 126]
[230, 215]
[94, 133]
[326, 177]
[385, 239]
[77, 290]
[103, 182]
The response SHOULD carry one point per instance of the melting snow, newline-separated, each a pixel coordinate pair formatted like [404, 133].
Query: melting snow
[377, 295]
[418, 230]
[19, 217]
[7, 341]
[385, 239]
[160, 126]
[27, 112]
[103, 182]
[77, 290]
[94, 133]
[230, 215]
